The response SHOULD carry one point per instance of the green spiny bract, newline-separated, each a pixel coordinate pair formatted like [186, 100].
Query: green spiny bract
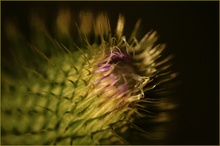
[60, 91]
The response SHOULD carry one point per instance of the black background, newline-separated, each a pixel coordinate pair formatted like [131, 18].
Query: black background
[191, 30]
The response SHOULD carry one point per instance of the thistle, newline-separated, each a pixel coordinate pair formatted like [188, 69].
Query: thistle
[96, 88]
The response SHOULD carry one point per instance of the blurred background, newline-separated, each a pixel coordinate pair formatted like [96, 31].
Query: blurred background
[191, 31]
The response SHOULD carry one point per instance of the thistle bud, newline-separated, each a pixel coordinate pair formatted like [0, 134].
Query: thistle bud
[86, 93]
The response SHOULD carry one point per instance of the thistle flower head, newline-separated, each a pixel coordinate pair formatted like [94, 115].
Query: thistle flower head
[85, 95]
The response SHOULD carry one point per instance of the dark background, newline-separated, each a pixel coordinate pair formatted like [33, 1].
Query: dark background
[191, 30]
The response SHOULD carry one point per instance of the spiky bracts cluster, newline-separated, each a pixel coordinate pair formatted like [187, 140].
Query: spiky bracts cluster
[87, 93]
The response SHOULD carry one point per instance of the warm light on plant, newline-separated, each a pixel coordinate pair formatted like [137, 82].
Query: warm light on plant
[66, 92]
